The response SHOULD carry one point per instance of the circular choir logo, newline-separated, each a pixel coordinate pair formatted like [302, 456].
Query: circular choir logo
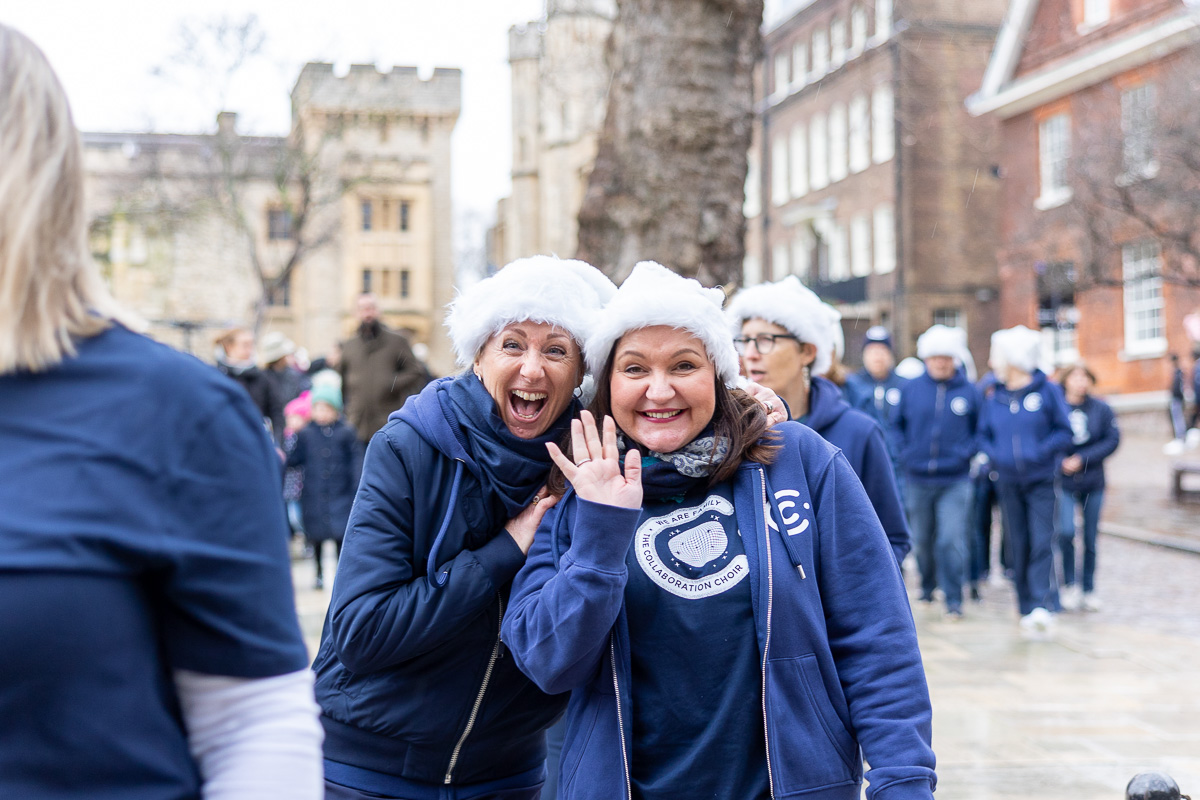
[686, 552]
[1033, 402]
[960, 406]
[893, 396]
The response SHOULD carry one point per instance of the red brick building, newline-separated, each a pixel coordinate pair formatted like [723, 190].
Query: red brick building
[868, 179]
[1099, 107]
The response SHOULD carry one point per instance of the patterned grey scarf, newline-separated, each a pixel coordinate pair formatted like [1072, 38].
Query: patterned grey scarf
[698, 458]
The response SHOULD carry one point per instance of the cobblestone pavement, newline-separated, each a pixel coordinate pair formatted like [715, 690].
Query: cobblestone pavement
[1072, 717]
[1138, 499]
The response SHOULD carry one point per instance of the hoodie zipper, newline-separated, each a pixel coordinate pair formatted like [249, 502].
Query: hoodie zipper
[612, 652]
[487, 676]
[938, 407]
[767, 640]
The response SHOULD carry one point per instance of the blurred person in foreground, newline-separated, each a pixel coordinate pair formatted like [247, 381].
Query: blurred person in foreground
[151, 646]
[1095, 437]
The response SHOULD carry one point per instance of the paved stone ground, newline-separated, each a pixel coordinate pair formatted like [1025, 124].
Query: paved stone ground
[1071, 717]
[1074, 716]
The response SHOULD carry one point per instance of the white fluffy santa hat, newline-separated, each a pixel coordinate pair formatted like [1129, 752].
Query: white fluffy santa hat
[653, 295]
[1017, 347]
[794, 307]
[942, 340]
[565, 293]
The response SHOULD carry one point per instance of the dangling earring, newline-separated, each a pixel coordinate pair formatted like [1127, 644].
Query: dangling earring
[807, 375]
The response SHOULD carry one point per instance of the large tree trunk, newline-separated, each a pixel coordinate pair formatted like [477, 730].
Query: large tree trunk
[670, 171]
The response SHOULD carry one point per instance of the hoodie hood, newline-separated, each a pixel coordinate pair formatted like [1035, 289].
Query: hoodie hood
[825, 404]
[424, 413]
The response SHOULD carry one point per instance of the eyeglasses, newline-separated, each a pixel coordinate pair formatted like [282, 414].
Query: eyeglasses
[763, 343]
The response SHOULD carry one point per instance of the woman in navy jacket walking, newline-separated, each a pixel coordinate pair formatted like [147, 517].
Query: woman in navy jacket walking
[725, 611]
[1023, 430]
[1094, 438]
[784, 336]
[415, 689]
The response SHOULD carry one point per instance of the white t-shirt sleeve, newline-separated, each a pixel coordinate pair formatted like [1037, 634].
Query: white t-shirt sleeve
[254, 738]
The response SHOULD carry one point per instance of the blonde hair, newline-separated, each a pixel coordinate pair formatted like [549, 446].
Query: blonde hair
[50, 291]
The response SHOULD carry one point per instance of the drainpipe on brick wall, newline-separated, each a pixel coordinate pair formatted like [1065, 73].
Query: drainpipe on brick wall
[764, 204]
[900, 321]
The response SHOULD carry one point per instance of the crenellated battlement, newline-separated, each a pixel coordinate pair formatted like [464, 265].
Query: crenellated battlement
[525, 41]
[365, 89]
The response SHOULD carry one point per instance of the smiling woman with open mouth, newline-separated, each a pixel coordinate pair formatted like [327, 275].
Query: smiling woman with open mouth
[717, 595]
[415, 689]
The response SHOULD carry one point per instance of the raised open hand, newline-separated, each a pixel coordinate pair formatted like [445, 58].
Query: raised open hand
[596, 472]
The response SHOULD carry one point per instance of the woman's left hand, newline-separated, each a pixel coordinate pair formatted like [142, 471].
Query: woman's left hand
[776, 410]
[596, 472]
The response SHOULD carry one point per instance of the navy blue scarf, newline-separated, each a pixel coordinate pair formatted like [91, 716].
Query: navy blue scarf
[510, 469]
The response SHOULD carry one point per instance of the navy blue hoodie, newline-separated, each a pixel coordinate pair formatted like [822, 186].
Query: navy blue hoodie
[1096, 437]
[1024, 432]
[937, 423]
[878, 399]
[861, 439]
[408, 651]
[841, 670]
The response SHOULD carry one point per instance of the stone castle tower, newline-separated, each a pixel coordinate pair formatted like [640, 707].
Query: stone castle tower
[559, 91]
[371, 150]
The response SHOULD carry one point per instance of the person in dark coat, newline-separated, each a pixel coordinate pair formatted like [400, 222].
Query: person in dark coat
[276, 354]
[418, 694]
[936, 423]
[784, 334]
[328, 453]
[876, 388]
[378, 369]
[1095, 437]
[234, 355]
[1023, 431]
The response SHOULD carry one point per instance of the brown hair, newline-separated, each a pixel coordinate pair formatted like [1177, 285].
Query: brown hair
[1067, 369]
[737, 417]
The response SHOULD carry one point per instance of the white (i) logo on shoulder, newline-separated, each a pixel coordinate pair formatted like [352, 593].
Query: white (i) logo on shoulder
[696, 562]
[959, 406]
[789, 519]
[1033, 402]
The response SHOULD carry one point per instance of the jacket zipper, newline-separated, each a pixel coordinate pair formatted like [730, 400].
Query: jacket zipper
[937, 427]
[1018, 461]
[767, 641]
[612, 651]
[487, 676]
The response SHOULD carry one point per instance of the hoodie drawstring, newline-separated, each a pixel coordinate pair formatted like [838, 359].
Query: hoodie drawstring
[439, 580]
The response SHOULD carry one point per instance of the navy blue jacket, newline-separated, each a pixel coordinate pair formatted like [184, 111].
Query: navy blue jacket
[1023, 433]
[861, 439]
[937, 424]
[403, 660]
[330, 458]
[1096, 436]
[841, 666]
[879, 399]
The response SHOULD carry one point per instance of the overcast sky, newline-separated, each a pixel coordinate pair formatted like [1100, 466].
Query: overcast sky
[105, 52]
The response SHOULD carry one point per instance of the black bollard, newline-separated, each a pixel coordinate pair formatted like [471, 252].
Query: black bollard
[1153, 786]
